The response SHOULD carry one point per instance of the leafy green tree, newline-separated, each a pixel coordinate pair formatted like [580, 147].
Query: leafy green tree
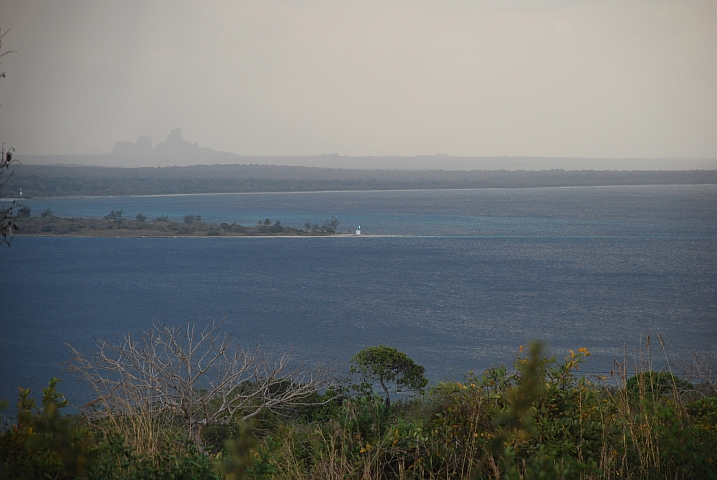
[141, 218]
[331, 225]
[115, 215]
[24, 211]
[47, 213]
[387, 365]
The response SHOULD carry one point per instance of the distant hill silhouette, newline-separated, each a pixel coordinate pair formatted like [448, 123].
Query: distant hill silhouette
[173, 146]
[176, 151]
[128, 149]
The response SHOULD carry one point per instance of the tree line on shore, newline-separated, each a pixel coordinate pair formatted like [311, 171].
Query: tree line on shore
[177, 402]
[191, 225]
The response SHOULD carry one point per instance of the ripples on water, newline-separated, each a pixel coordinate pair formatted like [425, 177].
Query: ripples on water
[476, 274]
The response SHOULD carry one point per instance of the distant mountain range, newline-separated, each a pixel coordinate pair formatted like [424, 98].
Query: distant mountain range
[176, 151]
[173, 147]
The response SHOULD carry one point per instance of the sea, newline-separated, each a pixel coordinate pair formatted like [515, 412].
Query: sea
[459, 280]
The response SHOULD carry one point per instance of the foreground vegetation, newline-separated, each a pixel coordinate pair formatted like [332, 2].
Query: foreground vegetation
[541, 419]
[114, 224]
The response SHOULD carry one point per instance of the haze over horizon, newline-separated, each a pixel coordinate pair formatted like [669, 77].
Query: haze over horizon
[175, 151]
[513, 78]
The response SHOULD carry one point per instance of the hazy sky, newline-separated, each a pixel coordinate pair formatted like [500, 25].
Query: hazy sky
[580, 78]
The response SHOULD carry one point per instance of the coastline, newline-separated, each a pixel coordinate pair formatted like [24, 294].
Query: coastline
[132, 235]
[115, 226]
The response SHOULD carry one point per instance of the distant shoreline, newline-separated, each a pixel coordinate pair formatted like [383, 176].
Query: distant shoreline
[54, 181]
[115, 225]
[70, 235]
[10, 199]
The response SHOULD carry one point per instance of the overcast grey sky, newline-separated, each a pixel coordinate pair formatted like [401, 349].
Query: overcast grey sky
[576, 78]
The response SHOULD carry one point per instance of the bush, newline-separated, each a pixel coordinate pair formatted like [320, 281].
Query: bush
[24, 211]
[541, 420]
[115, 215]
[656, 384]
[43, 443]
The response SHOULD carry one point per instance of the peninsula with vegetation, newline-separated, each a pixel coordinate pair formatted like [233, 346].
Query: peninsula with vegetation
[115, 224]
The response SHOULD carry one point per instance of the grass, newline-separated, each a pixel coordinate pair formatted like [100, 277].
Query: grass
[540, 419]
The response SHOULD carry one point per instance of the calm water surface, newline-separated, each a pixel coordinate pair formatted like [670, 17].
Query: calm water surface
[457, 279]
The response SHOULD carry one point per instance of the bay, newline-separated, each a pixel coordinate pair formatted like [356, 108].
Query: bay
[457, 279]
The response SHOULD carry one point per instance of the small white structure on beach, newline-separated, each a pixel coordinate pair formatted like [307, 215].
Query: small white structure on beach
[358, 230]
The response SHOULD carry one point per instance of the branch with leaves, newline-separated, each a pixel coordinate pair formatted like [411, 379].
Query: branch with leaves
[388, 367]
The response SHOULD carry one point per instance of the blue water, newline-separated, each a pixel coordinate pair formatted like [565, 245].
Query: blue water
[456, 279]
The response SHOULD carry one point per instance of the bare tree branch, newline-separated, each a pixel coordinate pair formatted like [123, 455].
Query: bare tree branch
[201, 377]
[7, 220]
[701, 370]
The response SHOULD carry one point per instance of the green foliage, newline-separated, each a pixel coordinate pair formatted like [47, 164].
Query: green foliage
[366, 418]
[541, 419]
[329, 226]
[387, 365]
[43, 443]
[115, 215]
[24, 211]
[119, 461]
[656, 384]
[161, 226]
[685, 448]
[243, 457]
[47, 213]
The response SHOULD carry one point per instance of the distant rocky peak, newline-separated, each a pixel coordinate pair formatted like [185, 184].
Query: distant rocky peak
[175, 135]
[143, 147]
[145, 142]
[175, 144]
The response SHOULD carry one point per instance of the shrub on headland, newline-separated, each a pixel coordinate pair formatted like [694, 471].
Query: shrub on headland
[115, 224]
[541, 419]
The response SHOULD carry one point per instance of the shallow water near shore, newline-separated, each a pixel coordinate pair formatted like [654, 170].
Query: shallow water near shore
[457, 279]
